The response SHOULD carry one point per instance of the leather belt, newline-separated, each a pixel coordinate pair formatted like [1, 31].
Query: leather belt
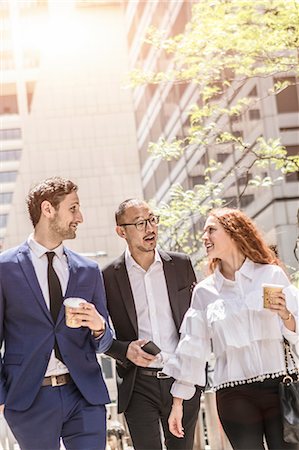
[57, 380]
[157, 373]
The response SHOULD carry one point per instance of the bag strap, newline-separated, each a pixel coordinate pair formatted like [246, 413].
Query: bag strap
[287, 352]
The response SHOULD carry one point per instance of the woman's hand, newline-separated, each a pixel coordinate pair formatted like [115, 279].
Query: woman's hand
[278, 305]
[175, 418]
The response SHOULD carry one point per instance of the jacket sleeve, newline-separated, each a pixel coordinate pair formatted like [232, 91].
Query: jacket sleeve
[2, 308]
[103, 343]
[118, 351]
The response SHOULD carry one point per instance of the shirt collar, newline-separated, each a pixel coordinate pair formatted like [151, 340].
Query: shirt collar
[130, 261]
[39, 250]
[246, 270]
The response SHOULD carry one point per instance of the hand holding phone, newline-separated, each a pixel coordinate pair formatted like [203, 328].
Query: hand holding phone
[151, 348]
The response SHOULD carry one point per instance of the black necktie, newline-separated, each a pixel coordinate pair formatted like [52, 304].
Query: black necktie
[55, 295]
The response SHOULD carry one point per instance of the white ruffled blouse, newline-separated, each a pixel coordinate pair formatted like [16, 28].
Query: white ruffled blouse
[246, 338]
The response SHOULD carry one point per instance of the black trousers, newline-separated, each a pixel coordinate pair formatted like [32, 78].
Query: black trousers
[150, 406]
[251, 412]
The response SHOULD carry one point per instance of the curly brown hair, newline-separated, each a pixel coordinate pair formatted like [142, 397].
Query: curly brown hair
[247, 237]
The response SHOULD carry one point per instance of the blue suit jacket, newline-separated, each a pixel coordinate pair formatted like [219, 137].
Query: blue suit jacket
[28, 331]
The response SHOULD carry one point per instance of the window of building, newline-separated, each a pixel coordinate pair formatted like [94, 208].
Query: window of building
[161, 173]
[290, 128]
[161, 8]
[230, 202]
[293, 150]
[149, 190]
[198, 179]
[236, 118]
[7, 60]
[172, 164]
[183, 17]
[11, 133]
[288, 99]
[156, 129]
[30, 87]
[238, 134]
[150, 91]
[254, 114]
[253, 92]
[5, 198]
[170, 103]
[3, 220]
[186, 127]
[143, 152]
[140, 110]
[135, 22]
[243, 179]
[245, 200]
[8, 177]
[8, 99]
[181, 88]
[8, 104]
[10, 155]
[221, 157]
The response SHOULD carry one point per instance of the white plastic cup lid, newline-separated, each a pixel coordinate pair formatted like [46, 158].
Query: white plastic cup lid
[73, 302]
[281, 286]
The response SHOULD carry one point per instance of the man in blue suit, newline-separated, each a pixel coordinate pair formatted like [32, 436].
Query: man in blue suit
[51, 384]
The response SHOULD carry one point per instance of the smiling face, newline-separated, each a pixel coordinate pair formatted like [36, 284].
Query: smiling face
[139, 241]
[217, 241]
[65, 219]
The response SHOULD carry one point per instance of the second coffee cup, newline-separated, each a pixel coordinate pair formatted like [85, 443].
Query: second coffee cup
[70, 318]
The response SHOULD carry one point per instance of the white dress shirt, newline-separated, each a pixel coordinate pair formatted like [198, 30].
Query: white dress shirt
[60, 265]
[246, 337]
[154, 315]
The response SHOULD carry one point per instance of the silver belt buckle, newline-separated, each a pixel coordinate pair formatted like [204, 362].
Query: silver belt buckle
[56, 383]
[161, 375]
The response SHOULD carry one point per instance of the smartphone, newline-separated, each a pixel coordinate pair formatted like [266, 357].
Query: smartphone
[151, 348]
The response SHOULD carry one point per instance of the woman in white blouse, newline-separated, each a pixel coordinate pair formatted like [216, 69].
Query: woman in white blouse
[247, 339]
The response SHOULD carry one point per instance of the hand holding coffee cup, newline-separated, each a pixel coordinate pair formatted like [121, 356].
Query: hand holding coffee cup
[274, 299]
[71, 305]
[84, 314]
[271, 294]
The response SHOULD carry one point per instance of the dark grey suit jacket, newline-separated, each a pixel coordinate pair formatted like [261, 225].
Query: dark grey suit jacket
[180, 280]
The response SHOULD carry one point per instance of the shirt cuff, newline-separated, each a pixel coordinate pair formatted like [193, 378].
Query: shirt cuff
[182, 390]
[165, 357]
[95, 334]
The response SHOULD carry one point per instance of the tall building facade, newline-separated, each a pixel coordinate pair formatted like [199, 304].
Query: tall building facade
[162, 111]
[64, 111]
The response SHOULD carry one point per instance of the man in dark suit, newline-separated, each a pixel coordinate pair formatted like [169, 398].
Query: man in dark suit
[148, 292]
[51, 384]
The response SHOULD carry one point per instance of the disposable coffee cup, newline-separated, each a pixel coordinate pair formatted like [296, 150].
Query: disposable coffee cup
[70, 318]
[268, 291]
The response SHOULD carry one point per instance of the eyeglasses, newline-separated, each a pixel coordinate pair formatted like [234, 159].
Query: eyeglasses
[141, 224]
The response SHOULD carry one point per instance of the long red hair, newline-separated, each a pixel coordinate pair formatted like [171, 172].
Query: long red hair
[247, 237]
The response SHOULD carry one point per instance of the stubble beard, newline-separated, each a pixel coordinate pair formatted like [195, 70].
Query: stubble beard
[63, 233]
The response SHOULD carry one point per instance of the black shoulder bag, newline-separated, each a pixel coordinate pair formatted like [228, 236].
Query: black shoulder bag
[289, 399]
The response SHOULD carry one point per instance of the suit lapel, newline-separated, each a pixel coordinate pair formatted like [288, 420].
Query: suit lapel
[29, 272]
[122, 278]
[172, 286]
